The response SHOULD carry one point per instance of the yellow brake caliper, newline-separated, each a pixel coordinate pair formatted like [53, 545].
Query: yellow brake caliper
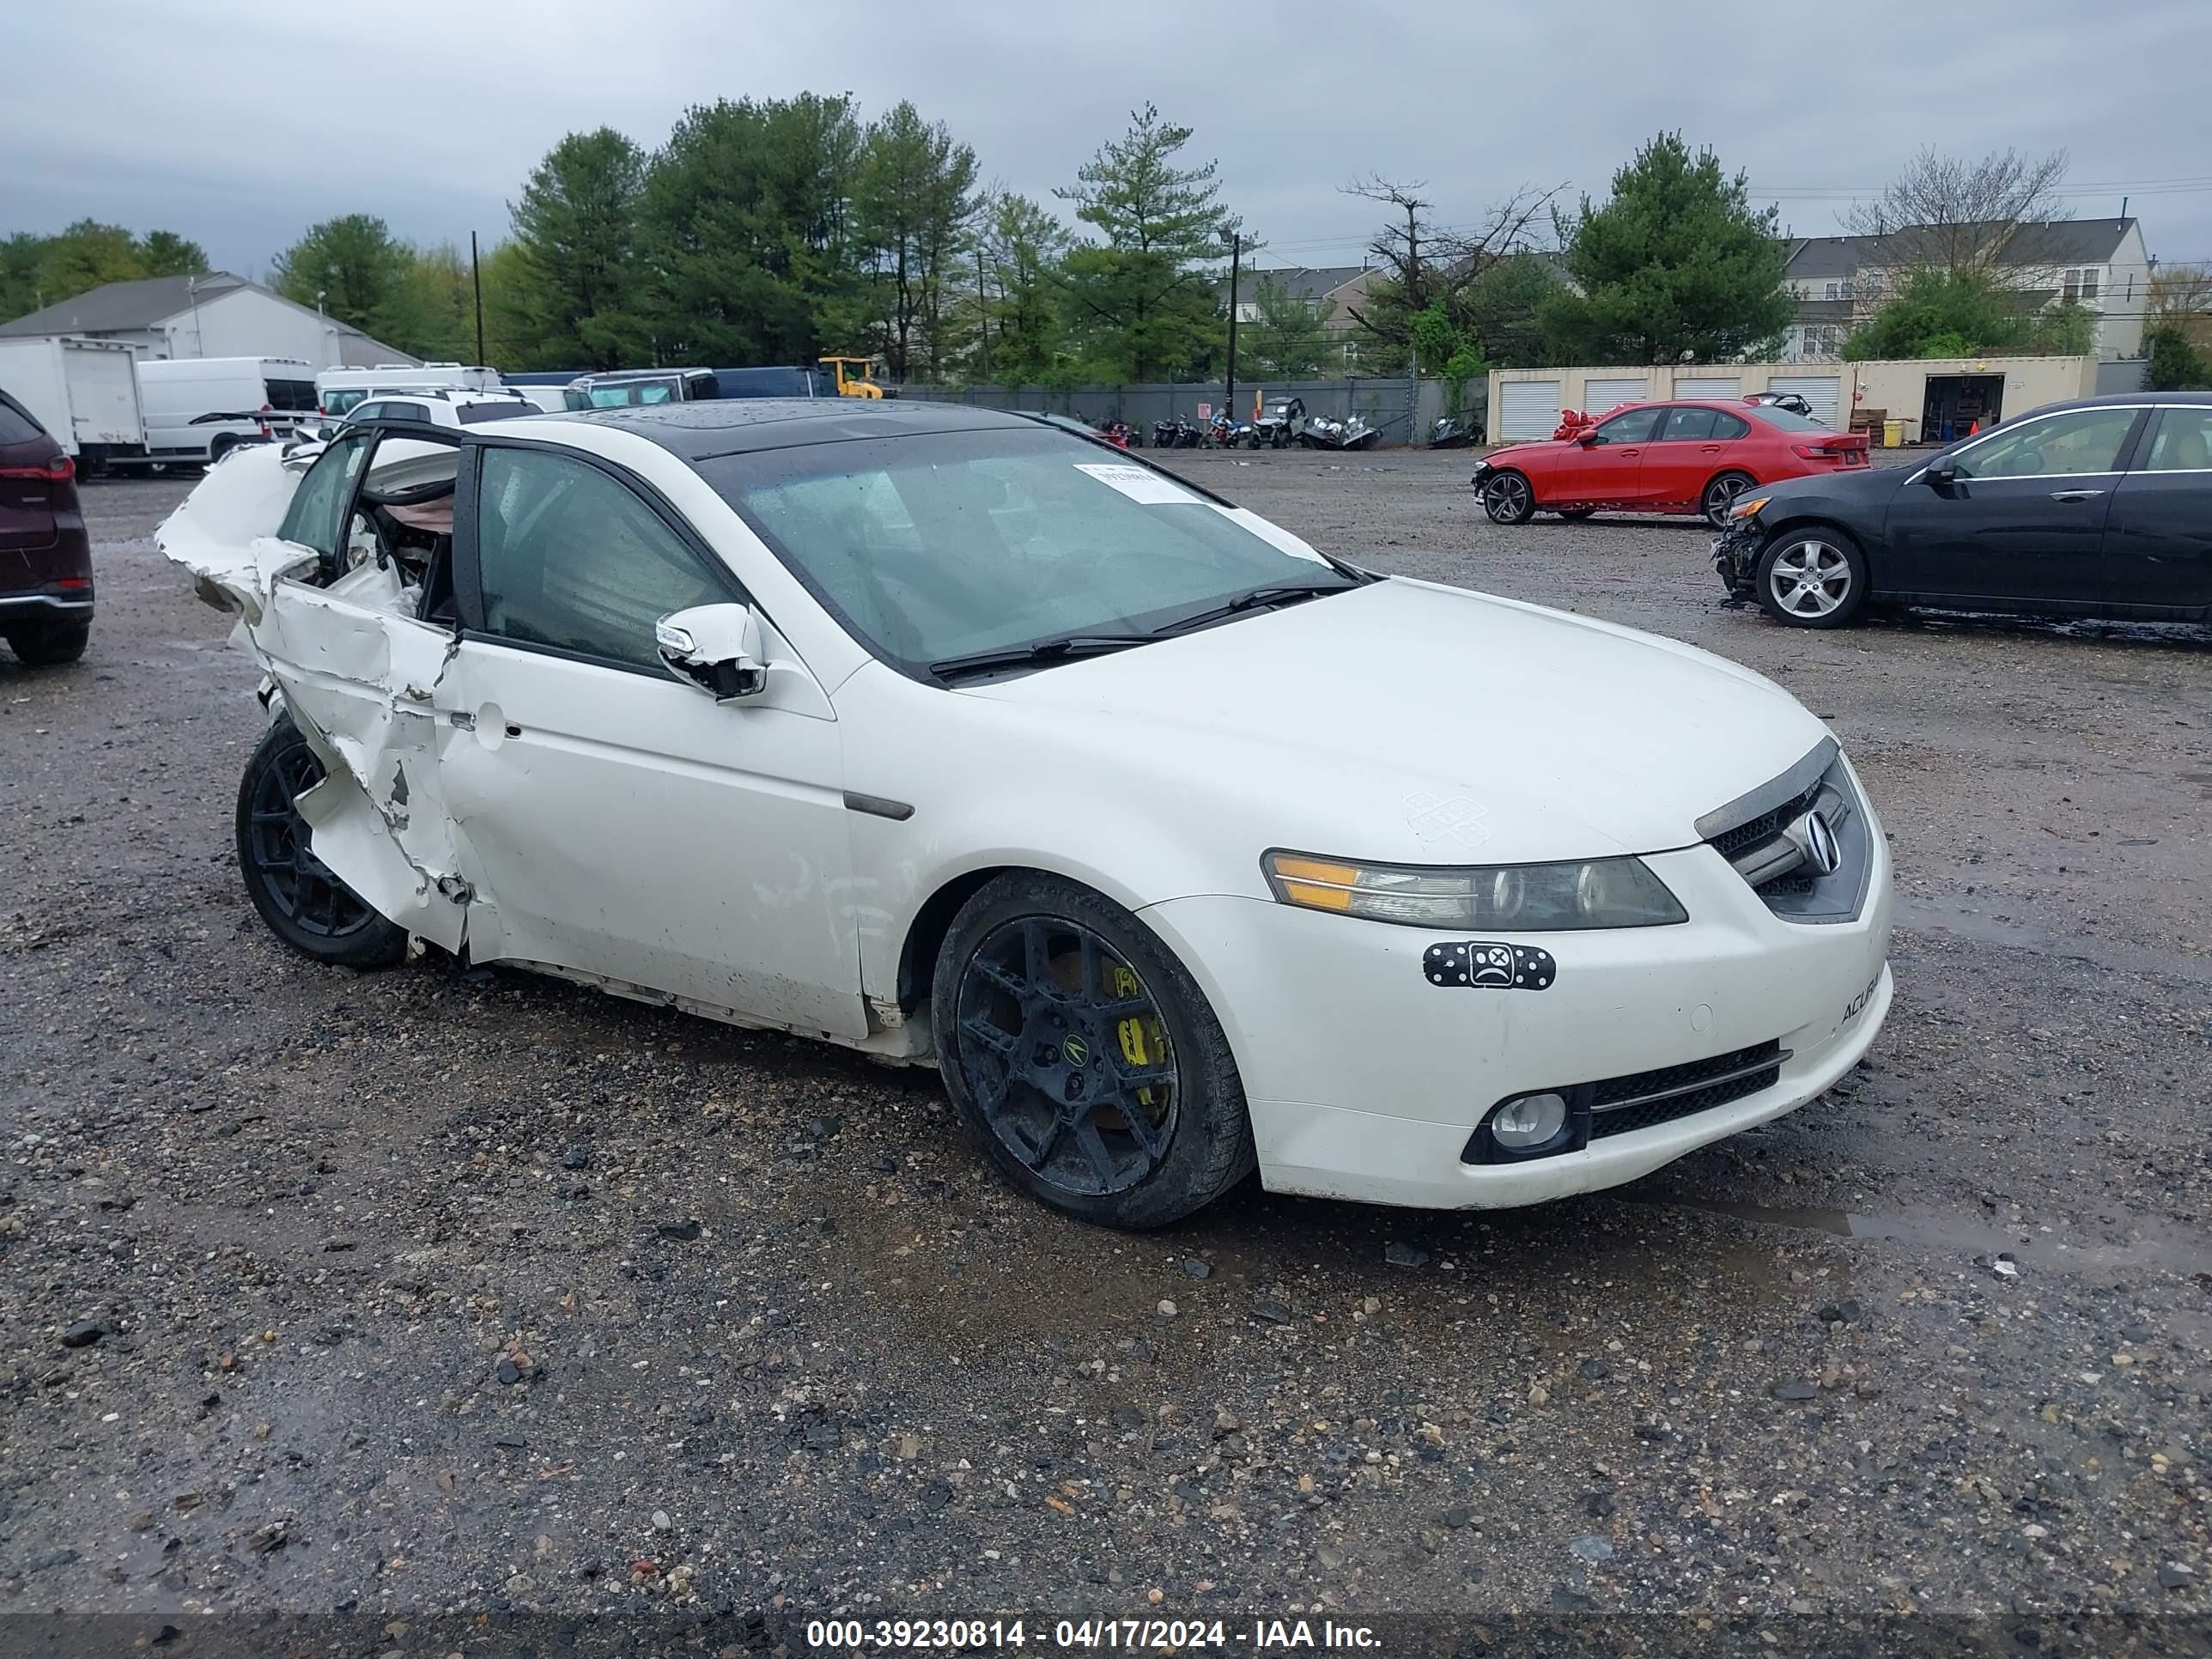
[1143, 1042]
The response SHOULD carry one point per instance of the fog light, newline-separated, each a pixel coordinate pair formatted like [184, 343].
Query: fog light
[1530, 1120]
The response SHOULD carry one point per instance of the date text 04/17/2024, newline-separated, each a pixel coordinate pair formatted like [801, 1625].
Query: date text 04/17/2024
[1126, 1634]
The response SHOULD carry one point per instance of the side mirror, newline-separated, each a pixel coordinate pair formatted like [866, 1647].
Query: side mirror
[1942, 470]
[1588, 440]
[716, 647]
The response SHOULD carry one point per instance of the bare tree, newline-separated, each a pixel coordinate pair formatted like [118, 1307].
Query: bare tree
[1422, 262]
[1950, 214]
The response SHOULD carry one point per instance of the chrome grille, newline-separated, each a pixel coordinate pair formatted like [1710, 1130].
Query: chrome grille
[1766, 836]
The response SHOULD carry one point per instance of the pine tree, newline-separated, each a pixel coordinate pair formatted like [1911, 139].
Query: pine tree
[576, 281]
[1677, 261]
[1143, 300]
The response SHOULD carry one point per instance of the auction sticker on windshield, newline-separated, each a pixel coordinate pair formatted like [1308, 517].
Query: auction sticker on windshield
[1141, 484]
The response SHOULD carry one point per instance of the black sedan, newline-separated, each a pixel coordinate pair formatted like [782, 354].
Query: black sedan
[2099, 507]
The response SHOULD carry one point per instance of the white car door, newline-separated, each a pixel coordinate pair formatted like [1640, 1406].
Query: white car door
[615, 822]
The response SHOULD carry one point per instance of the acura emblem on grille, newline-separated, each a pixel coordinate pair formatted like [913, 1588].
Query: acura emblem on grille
[1811, 837]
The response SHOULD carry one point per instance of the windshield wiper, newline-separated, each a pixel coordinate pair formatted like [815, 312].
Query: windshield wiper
[1044, 651]
[1260, 599]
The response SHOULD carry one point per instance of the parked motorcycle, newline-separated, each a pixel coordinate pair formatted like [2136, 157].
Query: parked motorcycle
[1118, 434]
[1457, 432]
[1188, 435]
[1280, 423]
[1163, 435]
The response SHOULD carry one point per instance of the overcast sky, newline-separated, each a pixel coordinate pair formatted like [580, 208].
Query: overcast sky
[239, 124]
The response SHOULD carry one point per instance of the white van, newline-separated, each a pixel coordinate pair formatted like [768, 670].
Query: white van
[199, 409]
[337, 390]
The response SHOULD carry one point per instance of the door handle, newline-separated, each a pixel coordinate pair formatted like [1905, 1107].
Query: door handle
[1711, 449]
[1630, 452]
[2075, 495]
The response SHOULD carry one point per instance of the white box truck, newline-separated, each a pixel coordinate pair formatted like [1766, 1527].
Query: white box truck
[198, 409]
[85, 393]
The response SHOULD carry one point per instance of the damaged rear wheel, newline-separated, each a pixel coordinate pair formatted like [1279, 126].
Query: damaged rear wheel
[303, 903]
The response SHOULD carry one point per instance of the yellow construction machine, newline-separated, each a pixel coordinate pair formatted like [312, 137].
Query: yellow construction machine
[852, 377]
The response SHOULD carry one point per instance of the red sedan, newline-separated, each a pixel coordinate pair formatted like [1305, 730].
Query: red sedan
[1662, 458]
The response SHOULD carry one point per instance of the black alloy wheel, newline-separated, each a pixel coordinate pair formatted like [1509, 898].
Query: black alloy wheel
[1064, 1051]
[303, 902]
[1083, 1055]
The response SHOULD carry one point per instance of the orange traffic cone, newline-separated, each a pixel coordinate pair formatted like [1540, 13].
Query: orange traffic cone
[1973, 428]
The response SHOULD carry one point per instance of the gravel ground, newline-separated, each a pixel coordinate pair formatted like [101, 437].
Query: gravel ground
[431, 1291]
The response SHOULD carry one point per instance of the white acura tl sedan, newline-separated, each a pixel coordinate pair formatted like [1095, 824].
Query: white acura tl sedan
[1180, 847]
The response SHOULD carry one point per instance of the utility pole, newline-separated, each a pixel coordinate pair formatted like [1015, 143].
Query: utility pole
[1236, 254]
[1412, 346]
[983, 310]
[475, 279]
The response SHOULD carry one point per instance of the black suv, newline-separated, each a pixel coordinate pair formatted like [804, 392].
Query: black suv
[45, 557]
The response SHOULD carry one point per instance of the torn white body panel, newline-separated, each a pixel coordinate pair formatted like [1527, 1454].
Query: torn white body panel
[359, 675]
[614, 826]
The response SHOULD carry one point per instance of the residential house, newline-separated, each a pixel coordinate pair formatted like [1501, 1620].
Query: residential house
[1328, 292]
[215, 315]
[1838, 282]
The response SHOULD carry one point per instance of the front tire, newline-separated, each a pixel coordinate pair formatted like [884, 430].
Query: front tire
[1813, 578]
[1508, 498]
[1720, 495]
[48, 645]
[1084, 1056]
[303, 903]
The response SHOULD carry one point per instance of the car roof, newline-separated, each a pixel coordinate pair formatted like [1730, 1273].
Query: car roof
[445, 394]
[728, 426]
[2124, 398]
[610, 376]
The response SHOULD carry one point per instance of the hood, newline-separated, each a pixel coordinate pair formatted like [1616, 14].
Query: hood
[1865, 485]
[1512, 452]
[1407, 721]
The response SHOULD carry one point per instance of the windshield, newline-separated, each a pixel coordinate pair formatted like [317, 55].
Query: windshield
[942, 545]
[629, 394]
[499, 408]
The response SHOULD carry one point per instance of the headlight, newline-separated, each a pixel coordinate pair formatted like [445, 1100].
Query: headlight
[1745, 508]
[1511, 898]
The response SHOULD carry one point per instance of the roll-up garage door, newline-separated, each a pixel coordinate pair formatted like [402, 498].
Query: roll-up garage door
[1528, 409]
[1598, 396]
[1726, 387]
[1823, 391]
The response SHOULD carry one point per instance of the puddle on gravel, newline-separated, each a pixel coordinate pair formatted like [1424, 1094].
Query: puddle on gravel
[1934, 916]
[2174, 1251]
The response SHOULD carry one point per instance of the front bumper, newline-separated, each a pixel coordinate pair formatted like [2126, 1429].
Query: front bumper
[1366, 1080]
[1736, 556]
